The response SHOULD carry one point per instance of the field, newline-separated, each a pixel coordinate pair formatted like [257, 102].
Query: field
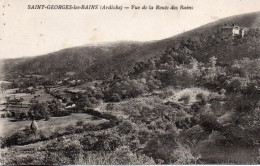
[190, 92]
[8, 127]
[39, 95]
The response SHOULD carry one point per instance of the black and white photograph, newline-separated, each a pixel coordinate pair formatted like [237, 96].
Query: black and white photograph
[129, 82]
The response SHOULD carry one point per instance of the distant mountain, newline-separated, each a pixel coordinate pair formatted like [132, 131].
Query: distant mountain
[100, 60]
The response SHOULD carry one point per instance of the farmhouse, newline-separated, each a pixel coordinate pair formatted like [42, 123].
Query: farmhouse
[233, 30]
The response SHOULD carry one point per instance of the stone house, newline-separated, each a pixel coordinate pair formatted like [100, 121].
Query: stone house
[234, 30]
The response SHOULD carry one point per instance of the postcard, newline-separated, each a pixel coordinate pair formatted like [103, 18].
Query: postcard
[129, 82]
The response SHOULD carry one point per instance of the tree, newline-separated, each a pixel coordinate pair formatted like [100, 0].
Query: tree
[34, 126]
[183, 155]
[53, 108]
[22, 116]
[152, 64]
[194, 63]
[38, 111]
[213, 61]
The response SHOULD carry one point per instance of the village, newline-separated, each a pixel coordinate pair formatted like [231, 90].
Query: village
[17, 102]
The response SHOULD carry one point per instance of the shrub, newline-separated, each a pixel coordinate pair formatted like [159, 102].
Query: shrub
[144, 135]
[108, 116]
[56, 158]
[47, 118]
[88, 142]
[80, 123]
[70, 129]
[38, 111]
[108, 142]
[185, 99]
[216, 97]
[43, 135]
[215, 137]
[22, 116]
[222, 91]
[208, 119]
[194, 133]
[73, 149]
[89, 127]
[200, 96]
[101, 142]
[18, 138]
[13, 139]
[58, 132]
[125, 127]
[122, 155]
[62, 113]
[158, 148]
[182, 155]
[115, 97]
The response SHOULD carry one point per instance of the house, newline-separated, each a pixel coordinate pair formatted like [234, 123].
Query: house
[59, 83]
[73, 82]
[238, 31]
[234, 30]
[71, 106]
[30, 88]
[70, 73]
[40, 87]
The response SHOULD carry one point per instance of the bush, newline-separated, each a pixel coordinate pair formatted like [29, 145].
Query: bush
[182, 155]
[19, 138]
[88, 142]
[38, 111]
[101, 142]
[44, 135]
[80, 123]
[125, 127]
[194, 133]
[108, 142]
[215, 137]
[61, 113]
[159, 147]
[115, 97]
[144, 135]
[15, 139]
[89, 127]
[185, 99]
[73, 149]
[47, 118]
[216, 97]
[56, 158]
[70, 129]
[122, 155]
[200, 96]
[222, 91]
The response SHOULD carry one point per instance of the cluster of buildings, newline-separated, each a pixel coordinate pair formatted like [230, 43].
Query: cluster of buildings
[233, 30]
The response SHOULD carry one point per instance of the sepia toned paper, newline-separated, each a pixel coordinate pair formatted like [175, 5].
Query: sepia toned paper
[129, 82]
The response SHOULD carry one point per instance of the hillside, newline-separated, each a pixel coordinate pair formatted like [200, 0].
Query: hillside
[99, 61]
[71, 59]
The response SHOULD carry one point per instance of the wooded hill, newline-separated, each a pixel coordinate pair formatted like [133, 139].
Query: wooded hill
[100, 61]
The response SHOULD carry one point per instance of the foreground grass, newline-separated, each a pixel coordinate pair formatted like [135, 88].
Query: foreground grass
[9, 127]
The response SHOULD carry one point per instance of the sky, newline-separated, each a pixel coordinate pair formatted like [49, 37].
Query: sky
[25, 32]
